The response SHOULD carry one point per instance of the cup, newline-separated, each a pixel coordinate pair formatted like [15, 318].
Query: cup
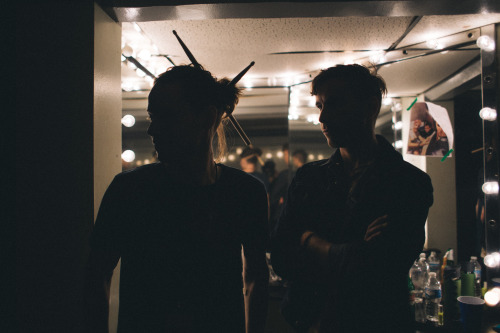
[471, 313]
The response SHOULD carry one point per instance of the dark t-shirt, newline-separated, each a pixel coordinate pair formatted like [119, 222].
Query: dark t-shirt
[180, 248]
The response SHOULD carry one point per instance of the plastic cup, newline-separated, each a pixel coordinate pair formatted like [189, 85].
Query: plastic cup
[471, 313]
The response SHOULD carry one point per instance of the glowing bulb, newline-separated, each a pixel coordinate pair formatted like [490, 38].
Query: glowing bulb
[269, 155]
[434, 44]
[320, 157]
[387, 101]
[131, 65]
[127, 51]
[377, 58]
[127, 86]
[485, 43]
[144, 54]
[138, 163]
[492, 260]
[128, 120]
[279, 154]
[490, 188]
[349, 61]
[231, 157]
[239, 150]
[398, 144]
[488, 114]
[397, 107]
[492, 297]
[147, 161]
[398, 125]
[128, 156]
[140, 73]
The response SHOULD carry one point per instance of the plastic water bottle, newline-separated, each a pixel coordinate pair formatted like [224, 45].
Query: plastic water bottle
[424, 267]
[416, 276]
[476, 269]
[432, 299]
[434, 263]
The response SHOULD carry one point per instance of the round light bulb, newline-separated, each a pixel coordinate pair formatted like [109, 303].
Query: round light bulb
[127, 86]
[128, 120]
[488, 114]
[269, 155]
[140, 73]
[320, 157]
[377, 58]
[492, 260]
[398, 144]
[492, 297]
[127, 51]
[311, 157]
[485, 43]
[490, 188]
[231, 157]
[128, 156]
[279, 154]
[396, 107]
[387, 101]
[398, 125]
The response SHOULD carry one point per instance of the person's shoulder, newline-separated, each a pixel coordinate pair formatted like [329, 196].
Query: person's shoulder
[240, 178]
[139, 174]
[312, 170]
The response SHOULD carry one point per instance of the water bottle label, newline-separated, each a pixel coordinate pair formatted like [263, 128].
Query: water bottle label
[434, 267]
[477, 273]
[432, 293]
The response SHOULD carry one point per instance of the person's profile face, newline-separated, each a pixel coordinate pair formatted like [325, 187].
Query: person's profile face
[172, 127]
[342, 118]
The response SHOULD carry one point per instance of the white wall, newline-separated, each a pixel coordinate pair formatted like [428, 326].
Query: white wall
[107, 125]
[441, 227]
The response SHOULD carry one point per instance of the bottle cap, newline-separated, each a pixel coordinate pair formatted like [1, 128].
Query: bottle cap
[450, 255]
[473, 258]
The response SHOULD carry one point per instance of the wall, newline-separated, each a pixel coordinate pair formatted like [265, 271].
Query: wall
[55, 161]
[107, 122]
[441, 227]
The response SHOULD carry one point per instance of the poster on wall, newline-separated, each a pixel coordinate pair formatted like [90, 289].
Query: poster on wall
[431, 133]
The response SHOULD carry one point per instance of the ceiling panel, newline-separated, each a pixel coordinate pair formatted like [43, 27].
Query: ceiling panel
[225, 46]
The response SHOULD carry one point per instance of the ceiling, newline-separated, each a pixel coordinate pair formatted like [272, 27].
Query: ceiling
[290, 51]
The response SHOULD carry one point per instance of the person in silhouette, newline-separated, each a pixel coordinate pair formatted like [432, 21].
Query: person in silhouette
[299, 158]
[352, 224]
[249, 160]
[186, 227]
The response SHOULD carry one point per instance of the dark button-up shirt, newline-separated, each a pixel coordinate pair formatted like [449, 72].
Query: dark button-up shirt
[364, 288]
